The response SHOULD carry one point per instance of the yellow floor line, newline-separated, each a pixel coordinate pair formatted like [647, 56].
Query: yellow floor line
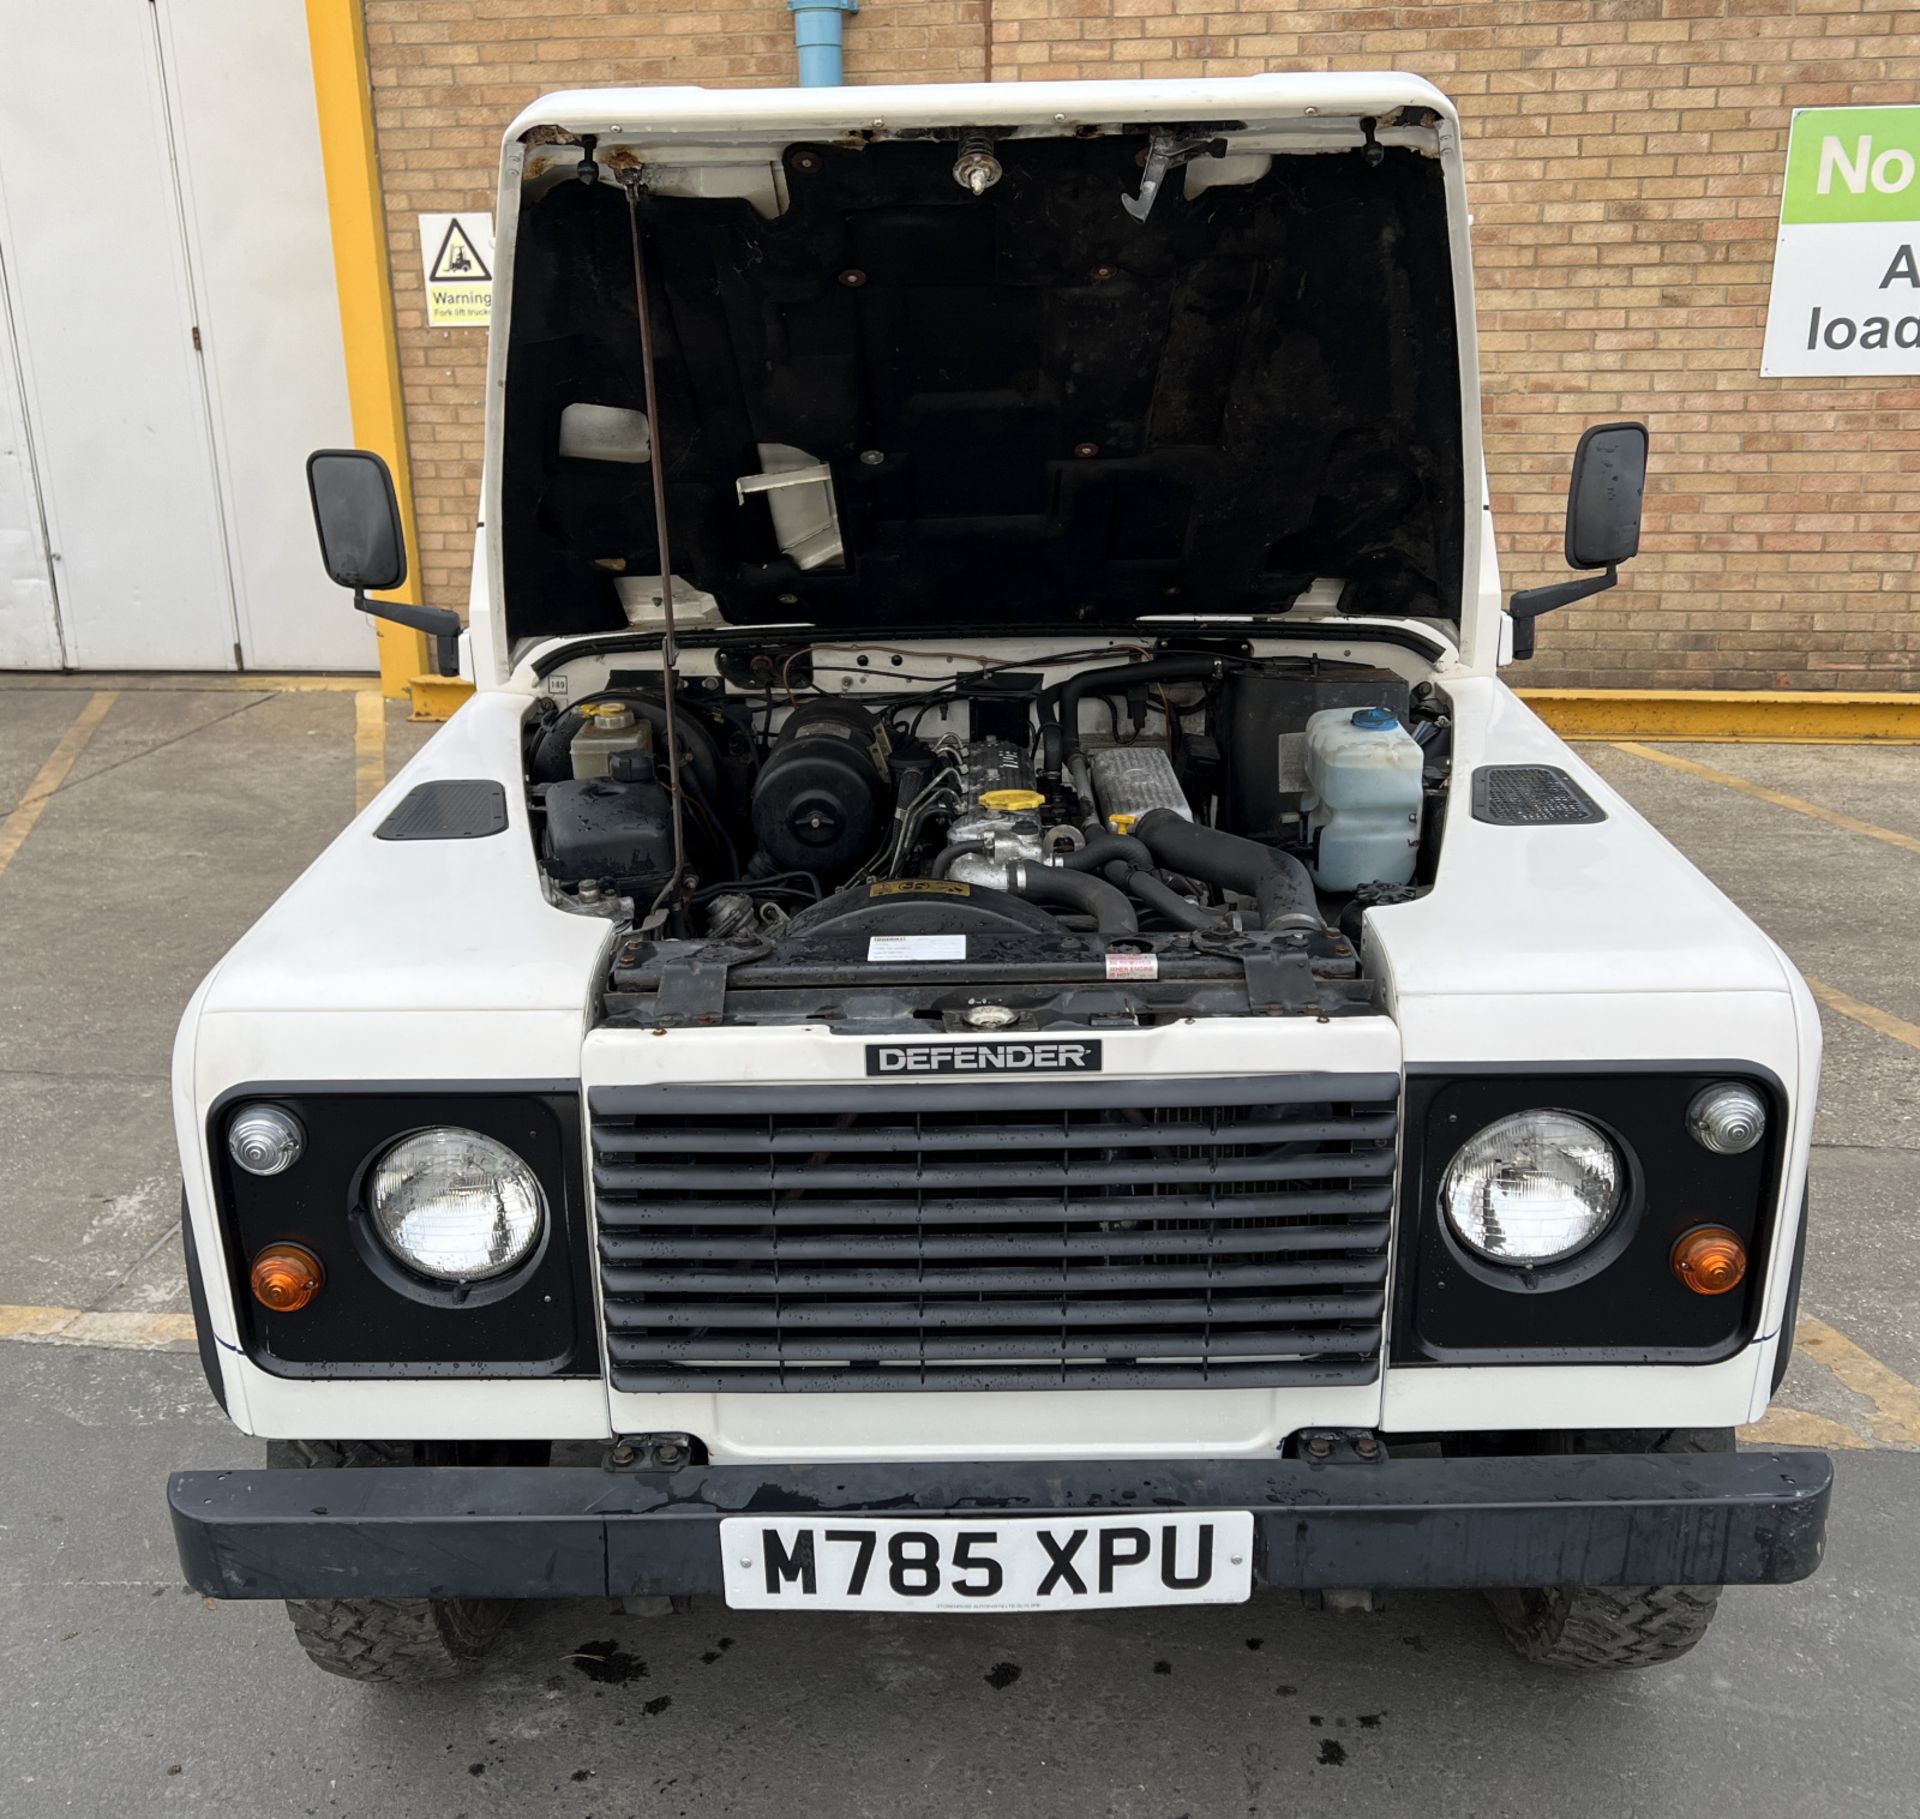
[18, 825]
[1870, 1015]
[1795, 1427]
[73, 1326]
[1896, 1402]
[34, 1322]
[1832, 816]
[369, 746]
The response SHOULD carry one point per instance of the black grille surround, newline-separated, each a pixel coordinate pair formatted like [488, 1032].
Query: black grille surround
[1121, 1233]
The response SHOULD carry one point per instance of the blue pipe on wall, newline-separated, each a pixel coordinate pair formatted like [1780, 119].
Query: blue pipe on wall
[816, 39]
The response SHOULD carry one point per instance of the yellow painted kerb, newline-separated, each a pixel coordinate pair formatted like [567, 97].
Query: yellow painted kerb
[336, 33]
[439, 697]
[1730, 716]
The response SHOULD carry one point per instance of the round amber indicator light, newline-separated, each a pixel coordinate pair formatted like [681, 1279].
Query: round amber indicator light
[1710, 1260]
[286, 1277]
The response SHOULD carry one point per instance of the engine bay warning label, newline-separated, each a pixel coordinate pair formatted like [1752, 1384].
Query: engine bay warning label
[916, 947]
[1133, 966]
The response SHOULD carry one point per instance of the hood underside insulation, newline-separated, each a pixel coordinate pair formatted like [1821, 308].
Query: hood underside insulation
[1036, 410]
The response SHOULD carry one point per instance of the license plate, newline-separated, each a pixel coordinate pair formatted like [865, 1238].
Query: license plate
[1008, 1563]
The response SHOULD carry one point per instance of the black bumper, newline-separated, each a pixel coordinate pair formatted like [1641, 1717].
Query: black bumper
[514, 1532]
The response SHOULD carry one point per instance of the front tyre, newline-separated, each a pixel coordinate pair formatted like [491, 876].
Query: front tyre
[1603, 1628]
[393, 1640]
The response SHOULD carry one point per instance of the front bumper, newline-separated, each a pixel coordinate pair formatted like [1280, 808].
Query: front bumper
[579, 1532]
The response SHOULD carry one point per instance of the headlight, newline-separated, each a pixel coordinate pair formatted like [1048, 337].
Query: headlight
[1533, 1188]
[455, 1205]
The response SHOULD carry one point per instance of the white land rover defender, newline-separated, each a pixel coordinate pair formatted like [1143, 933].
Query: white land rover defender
[992, 1006]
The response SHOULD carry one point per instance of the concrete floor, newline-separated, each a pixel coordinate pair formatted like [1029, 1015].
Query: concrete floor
[191, 806]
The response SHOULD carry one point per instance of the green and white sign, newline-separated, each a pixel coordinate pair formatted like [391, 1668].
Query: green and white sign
[1846, 272]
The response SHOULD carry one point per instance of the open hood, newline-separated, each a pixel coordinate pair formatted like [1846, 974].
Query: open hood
[888, 398]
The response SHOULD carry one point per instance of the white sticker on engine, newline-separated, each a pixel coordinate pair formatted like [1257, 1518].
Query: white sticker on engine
[1133, 966]
[916, 947]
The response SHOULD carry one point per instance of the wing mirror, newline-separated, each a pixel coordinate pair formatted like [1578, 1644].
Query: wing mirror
[357, 514]
[1603, 522]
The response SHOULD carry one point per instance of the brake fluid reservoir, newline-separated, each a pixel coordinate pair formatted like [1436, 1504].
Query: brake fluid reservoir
[1362, 802]
[606, 727]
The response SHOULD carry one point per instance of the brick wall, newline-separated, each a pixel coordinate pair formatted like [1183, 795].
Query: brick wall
[1625, 160]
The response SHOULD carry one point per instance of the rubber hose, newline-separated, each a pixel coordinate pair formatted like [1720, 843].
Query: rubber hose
[1102, 849]
[958, 849]
[1047, 712]
[1082, 779]
[761, 865]
[1060, 725]
[1111, 912]
[1158, 895]
[1276, 881]
[714, 825]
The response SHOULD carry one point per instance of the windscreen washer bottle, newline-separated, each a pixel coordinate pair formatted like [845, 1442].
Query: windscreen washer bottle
[1362, 804]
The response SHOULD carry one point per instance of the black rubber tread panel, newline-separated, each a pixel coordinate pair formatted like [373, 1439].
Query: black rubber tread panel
[448, 808]
[1531, 795]
[387, 1640]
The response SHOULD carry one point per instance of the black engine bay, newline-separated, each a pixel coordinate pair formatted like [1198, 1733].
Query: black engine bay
[1111, 836]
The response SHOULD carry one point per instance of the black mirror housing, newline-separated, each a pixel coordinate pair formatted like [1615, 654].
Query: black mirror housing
[1604, 495]
[357, 514]
[1603, 523]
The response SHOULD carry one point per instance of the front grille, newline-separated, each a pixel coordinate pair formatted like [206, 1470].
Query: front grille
[1110, 1234]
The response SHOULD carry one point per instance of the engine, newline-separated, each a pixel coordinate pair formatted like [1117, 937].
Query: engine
[996, 817]
[1199, 828]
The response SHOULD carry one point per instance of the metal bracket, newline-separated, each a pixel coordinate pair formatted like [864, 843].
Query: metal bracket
[1321, 1444]
[791, 476]
[1279, 974]
[693, 988]
[653, 1453]
[1166, 151]
[807, 524]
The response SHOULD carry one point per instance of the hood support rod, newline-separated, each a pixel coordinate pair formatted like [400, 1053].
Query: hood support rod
[656, 467]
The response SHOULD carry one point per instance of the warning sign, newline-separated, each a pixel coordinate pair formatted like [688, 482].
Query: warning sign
[458, 250]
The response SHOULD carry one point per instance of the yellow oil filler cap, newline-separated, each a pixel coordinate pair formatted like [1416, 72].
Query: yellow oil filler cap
[1013, 800]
